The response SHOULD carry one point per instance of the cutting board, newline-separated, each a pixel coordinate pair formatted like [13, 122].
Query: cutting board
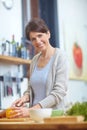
[16, 120]
[64, 119]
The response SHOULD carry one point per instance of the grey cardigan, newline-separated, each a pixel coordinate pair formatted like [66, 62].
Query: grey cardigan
[57, 81]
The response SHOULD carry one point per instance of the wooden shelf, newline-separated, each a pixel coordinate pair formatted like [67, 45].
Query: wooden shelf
[14, 60]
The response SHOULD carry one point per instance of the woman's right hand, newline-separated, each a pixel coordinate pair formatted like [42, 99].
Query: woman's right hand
[21, 101]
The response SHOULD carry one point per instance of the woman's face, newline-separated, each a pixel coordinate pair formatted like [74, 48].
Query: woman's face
[40, 40]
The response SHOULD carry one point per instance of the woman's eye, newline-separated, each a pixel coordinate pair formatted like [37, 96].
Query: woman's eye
[33, 39]
[40, 35]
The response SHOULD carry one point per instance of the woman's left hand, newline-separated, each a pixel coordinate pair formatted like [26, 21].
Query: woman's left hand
[22, 111]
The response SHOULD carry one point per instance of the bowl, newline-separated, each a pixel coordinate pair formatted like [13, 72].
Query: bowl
[38, 115]
[57, 113]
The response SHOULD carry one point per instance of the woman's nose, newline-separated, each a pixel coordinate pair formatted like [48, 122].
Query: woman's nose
[37, 40]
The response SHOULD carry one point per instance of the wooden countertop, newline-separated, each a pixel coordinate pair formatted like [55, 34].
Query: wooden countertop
[28, 124]
[42, 126]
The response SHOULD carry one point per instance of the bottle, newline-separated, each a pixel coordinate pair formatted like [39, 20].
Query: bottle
[13, 46]
[7, 48]
[23, 49]
[3, 46]
[0, 47]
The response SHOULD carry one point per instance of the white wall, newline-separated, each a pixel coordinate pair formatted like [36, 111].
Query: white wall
[11, 21]
[72, 12]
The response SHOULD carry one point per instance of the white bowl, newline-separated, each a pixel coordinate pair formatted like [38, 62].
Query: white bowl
[38, 115]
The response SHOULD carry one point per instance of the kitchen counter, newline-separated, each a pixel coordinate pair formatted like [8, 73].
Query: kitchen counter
[31, 125]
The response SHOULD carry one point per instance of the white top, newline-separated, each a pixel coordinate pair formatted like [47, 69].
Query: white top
[38, 82]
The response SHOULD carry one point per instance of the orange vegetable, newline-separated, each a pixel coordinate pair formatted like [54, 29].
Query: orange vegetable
[9, 112]
[77, 54]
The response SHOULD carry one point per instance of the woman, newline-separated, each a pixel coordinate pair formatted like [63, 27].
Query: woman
[48, 72]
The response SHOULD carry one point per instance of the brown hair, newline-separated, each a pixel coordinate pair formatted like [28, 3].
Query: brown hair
[35, 25]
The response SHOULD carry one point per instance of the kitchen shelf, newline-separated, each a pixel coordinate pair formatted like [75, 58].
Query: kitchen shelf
[14, 60]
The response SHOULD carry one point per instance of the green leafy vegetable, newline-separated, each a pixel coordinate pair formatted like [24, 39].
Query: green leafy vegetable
[78, 109]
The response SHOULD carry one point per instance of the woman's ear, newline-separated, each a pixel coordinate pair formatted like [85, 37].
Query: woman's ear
[49, 35]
